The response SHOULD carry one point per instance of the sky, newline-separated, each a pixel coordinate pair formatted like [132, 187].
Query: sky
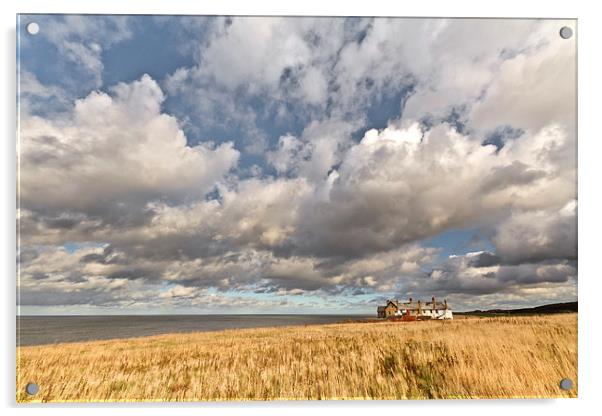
[211, 164]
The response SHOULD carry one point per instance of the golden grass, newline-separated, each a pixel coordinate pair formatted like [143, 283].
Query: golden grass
[502, 357]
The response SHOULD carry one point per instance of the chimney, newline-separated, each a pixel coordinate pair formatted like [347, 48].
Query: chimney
[445, 302]
[419, 308]
[434, 304]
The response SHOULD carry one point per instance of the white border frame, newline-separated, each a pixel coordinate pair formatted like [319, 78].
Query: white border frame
[590, 208]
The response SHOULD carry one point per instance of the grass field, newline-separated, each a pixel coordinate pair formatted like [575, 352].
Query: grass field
[500, 357]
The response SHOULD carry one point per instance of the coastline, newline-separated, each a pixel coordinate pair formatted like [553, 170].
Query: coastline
[47, 330]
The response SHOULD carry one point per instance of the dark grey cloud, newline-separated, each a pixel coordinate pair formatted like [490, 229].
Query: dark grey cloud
[534, 236]
[484, 259]
[514, 174]
[458, 276]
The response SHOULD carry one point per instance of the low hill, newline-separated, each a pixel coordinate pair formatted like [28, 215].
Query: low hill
[539, 310]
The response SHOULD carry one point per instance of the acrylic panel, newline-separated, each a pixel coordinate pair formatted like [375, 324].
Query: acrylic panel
[295, 208]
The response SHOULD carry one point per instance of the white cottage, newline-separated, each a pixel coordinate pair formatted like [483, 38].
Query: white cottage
[416, 309]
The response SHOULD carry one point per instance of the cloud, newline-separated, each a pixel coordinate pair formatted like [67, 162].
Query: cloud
[498, 75]
[290, 71]
[179, 292]
[36, 97]
[53, 276]
[401, 185]
[258, 171]
[357, 228]
[519, 95]
[287, 155]
[111, 154]
[253, 52]
[460, 275]
[345, 65]
[314, 86]
[538, 235]
[483, 259]
[81, 40]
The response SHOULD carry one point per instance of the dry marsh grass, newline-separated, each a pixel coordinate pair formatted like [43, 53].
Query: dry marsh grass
[502, 357]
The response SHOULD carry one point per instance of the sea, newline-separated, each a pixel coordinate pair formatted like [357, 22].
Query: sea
[41, 330]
